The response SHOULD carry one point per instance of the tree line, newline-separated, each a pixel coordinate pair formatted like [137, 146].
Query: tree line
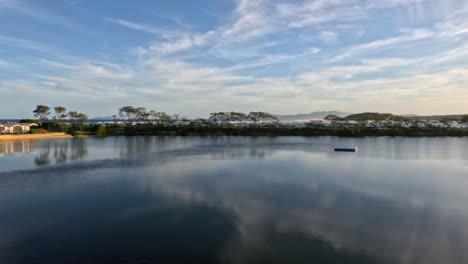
[141, 114]
[43, 112]
[134, 120]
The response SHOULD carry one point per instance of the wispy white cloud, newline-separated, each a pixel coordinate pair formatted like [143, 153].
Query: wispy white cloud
[258, 60]
[25, 44]
[182, 43]
[250, 20]
[6, 64]
[392, 3]
[134, 25]
[455, 25]
[175, 20]
[328, 37]
[166, 33]
[313, 13]
[38, 13]
[407, 36]
[166, 82]
[275, 59]
[256, 19]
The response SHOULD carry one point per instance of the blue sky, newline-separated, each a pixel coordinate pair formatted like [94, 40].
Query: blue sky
[196, 57]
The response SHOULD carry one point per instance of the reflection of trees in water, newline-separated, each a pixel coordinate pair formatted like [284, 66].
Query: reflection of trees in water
[124, 146]
[131, 145]
[59, 152]
[79, 149]
[134, 145]
[223, 148]
[42, 159]
[235, 154]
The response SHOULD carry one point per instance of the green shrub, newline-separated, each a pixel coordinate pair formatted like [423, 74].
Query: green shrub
[79, 133]
[101, 131]
[53, 127]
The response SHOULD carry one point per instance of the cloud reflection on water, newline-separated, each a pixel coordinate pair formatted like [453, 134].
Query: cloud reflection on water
[395, 201]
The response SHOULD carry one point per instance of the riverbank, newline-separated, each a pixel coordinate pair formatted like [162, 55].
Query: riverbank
[255, 130]
[280, 131]
[55, 135]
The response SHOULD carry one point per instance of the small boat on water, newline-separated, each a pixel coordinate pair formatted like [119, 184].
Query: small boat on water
[355, 149]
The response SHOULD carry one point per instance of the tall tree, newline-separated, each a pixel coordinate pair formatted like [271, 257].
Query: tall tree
[175, 118]
[42, 112]
[81, 118]
[73, 115]
[128, 112]
[165, 119]
[60, 113]
[184, 120]
[237, 117]
[78, 118]
[141, 114]
[219, 117]
[262, 117]
[154, 115]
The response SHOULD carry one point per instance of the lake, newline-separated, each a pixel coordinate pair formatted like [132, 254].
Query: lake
[234, 200]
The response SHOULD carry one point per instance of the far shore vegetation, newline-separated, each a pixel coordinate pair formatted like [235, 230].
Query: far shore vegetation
[133, 121]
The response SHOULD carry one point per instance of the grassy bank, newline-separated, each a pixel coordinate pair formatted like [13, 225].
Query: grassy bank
[4, 138]
[255, 130]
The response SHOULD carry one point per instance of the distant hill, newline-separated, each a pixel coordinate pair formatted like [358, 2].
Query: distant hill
[373, 116]
[437, 117]
[102, 118]
[310, 116]
[387, 116]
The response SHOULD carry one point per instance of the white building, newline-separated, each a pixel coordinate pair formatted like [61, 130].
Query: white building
[16, 128]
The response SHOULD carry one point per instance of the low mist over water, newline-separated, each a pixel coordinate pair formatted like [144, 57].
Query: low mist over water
[234, 200]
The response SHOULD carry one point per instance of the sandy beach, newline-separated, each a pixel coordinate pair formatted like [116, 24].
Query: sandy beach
[4, 138]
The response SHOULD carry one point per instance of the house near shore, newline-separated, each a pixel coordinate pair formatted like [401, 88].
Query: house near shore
[16, 128]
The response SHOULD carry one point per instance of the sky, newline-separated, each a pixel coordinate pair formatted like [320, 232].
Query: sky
[196, 57]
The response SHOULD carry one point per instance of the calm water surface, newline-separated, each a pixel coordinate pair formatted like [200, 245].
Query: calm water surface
[234, 200]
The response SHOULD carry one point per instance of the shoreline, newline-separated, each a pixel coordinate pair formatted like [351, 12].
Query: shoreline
[54, 135]
[281, 131]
